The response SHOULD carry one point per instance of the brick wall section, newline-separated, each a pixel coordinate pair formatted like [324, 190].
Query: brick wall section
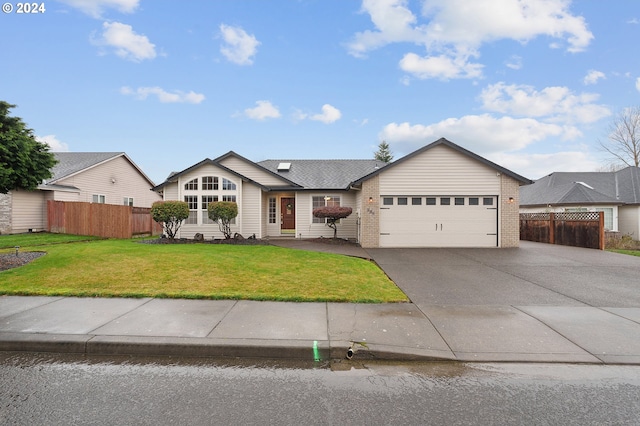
[5, 213]
[370, 221]
[510, 212]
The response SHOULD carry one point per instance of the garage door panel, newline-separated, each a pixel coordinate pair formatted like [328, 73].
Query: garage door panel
[439, 225]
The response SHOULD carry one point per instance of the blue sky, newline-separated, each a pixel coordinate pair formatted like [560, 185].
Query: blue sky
[529, 84]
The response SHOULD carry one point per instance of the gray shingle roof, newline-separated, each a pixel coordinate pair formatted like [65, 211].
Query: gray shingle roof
[73, 162]
[323, 174]
[621, 187]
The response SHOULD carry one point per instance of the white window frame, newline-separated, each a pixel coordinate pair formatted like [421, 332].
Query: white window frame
[328, 201]
[127, 201]
[193, 213]
[99, 199]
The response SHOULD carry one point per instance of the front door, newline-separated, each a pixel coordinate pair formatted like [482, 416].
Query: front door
[288, 214]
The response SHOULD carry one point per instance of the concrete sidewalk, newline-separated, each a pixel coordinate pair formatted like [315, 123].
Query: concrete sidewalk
[319, 331]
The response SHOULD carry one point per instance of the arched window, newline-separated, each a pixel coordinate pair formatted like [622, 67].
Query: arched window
[227, 185]
[192, 185]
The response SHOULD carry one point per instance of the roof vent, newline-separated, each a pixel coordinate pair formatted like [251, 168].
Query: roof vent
[284, 167]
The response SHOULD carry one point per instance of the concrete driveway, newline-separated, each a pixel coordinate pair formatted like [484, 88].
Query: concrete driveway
[537, 302]
[534, 274]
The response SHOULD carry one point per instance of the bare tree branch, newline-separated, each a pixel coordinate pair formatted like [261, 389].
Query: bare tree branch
[623, 140]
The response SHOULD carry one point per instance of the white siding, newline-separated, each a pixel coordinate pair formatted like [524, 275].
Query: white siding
[440, 171]
[115, 179]
[629, 221]
[251, 210]
[170, 192]
[29, 211]
[62, 196]
[305, 228]
[252, 172]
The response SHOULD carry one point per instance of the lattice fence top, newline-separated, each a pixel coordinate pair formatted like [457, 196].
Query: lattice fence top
[569, 216]
[587, 216]
[534, 216]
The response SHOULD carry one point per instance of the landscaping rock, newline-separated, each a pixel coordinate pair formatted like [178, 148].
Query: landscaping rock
[8, 261]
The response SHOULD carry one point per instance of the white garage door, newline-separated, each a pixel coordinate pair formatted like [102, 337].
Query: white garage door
[439, 221]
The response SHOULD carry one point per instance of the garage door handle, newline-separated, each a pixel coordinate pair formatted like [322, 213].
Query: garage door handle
[437, 227]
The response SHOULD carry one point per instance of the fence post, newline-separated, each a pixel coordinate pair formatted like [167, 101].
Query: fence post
[552, 228]
[601, 230]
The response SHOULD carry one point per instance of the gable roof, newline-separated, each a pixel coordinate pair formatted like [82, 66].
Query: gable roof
[285, 181]
[72, 163]
[326, 174]
[301, 175]
[445, 142]
[621, 187]
[173, 177]
[323, 174]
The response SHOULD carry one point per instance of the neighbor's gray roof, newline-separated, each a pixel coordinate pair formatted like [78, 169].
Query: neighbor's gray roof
[323, 174]
[74, 162]
[622, 187]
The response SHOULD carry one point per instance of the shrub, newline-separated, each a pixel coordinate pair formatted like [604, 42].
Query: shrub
[332, 214]
[170, 214]
[223, 212]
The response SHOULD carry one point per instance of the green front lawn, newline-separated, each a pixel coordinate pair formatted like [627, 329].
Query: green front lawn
[629, 252]
[39, 239]
[126, 268]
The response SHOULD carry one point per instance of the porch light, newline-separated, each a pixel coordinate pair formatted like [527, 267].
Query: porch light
[511, 200]
[370, 200]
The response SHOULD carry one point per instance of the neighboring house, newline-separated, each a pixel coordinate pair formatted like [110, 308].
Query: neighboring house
[617, 194]
[94, 177]
[440, 195]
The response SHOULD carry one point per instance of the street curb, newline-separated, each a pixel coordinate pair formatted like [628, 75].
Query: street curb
[207, 347]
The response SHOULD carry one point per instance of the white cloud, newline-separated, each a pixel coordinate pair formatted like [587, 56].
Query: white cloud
[127, 44]
[262, 111]
[239, 46]
[443, 67]
[95, 8]
[482, 133]
[454, 30]
[638, 84]
[164, 96]
[329, 114]
[515, 62]
[54, 144]
[553, 103]
[535, 166]
[593, 76]
[465, 23]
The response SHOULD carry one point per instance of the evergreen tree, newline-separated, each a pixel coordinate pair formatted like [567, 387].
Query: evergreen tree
[24, 162]
[384, 153]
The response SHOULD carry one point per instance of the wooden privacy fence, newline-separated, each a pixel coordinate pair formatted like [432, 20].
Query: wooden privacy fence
[101, 220]
[579, 229]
